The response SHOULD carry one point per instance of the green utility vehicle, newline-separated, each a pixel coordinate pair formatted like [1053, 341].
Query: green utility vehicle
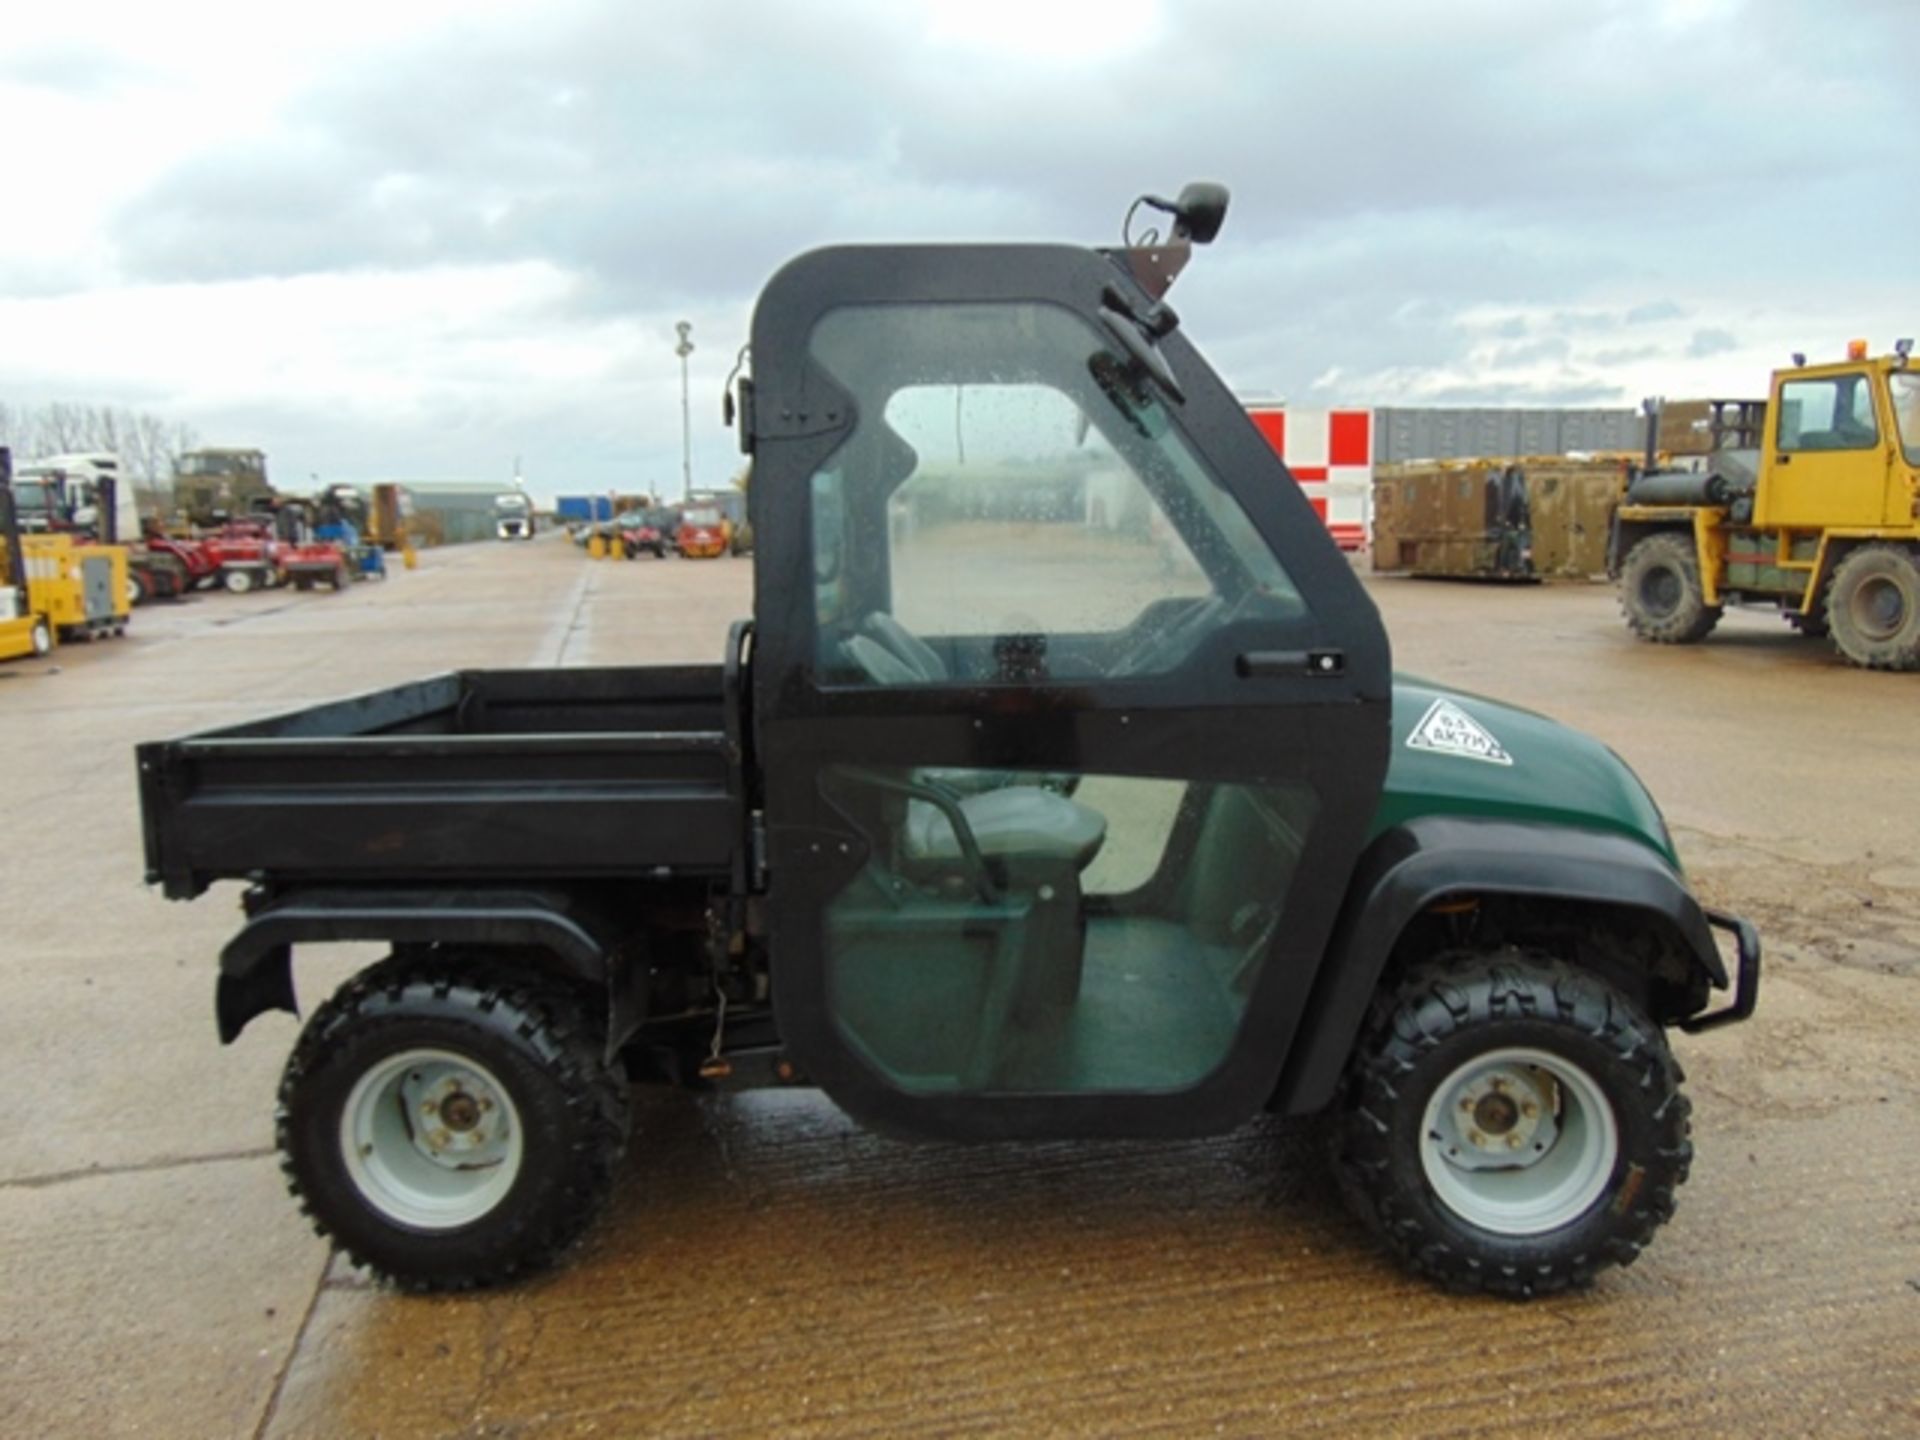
[1060, 787]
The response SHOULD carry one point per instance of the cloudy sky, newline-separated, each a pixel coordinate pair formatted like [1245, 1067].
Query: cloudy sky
[416, 238]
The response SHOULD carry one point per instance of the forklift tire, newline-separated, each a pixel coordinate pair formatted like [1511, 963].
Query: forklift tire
[450, 1123]
[1873, 608]
[41, 638]
[1660, 592]
[1511, 1124]
[239, 581]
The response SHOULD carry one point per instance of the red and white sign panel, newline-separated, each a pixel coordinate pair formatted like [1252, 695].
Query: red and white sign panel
[1330, 453]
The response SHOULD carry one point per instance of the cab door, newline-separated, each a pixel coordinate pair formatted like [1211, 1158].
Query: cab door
[1072, 717]
[1829, 454]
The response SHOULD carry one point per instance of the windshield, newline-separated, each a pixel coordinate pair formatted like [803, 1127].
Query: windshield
[1905, 389]
[701, 517]
[31, 496]
[514, 503]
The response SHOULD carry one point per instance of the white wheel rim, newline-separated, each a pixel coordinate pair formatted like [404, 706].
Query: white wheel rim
[1519, 1142]
[431, 1139]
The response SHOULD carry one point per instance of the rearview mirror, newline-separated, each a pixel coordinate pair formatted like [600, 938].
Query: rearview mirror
[1200, 211]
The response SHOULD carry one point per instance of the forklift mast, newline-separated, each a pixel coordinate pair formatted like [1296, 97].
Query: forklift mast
[10, 525]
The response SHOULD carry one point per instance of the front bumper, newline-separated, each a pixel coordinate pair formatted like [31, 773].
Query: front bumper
[1746, 981]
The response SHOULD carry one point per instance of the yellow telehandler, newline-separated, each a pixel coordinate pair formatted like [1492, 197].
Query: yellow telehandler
[1822, 519]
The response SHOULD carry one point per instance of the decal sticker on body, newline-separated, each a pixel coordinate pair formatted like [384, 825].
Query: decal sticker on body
[1446, 729]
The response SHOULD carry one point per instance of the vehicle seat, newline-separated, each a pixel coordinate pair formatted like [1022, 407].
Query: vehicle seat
[1023, 828]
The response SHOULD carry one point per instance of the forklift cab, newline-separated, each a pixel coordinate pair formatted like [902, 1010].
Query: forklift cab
[1073, 717]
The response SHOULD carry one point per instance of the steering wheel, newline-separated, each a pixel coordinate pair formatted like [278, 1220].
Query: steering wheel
[1172, 644]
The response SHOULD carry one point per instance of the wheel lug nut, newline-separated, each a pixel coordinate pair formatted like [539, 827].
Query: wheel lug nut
[1476, 1138]
[1529, 1109]
[428, 1107]
[1513, 1142]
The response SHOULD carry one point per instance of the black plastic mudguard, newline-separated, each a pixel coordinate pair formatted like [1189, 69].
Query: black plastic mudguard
[256, 970]
[1412, 866]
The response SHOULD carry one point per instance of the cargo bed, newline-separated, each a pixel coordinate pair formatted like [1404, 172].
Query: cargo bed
[480, 774]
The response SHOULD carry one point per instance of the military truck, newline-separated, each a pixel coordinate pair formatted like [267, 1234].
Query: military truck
[994, 823]
[211, 487]
[1820, 520]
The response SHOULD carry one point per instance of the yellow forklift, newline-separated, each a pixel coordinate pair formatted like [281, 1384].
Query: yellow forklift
[1819, 516]
[77, 589]
[22, 630]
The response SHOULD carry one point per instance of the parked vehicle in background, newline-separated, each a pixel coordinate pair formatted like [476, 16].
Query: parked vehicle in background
[513, 516]
[703, 534]
[643, 532]
[246, 550]
[211, 487]
[1821, 521]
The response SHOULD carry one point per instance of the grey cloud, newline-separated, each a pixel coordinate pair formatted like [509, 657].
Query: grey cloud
[1710, 342]
[653, 150]
[670, 156]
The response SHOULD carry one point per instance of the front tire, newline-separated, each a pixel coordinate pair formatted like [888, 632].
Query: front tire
[450, 1123]
[1661, 593]
[1873, 608]
[239, 581]
[1512, 1124]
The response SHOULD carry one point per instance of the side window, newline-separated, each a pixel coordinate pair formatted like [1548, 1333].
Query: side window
[1008, 512]
[1831, 413]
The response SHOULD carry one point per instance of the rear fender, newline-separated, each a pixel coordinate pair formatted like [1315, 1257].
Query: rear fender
[256, 966]
[1415, 866]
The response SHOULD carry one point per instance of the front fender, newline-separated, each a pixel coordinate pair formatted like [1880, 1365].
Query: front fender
[256, 969]
[1415, 864]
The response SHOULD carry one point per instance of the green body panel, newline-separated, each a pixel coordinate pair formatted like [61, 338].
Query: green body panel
[1557, 776]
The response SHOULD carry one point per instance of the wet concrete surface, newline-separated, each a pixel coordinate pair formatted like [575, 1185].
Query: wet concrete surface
[768, 1268]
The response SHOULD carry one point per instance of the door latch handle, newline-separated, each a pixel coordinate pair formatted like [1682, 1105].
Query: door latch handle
[1275, 664]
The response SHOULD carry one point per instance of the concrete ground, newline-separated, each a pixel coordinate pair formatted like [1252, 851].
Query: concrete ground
[769, 1269]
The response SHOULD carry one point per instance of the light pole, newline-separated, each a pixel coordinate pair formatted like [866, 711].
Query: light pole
[683, 350]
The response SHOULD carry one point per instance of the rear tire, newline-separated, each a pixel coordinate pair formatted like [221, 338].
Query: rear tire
[1873, 608]
[425, 1198]
[1512, 1124]
[41, 638]
[1661, 594]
